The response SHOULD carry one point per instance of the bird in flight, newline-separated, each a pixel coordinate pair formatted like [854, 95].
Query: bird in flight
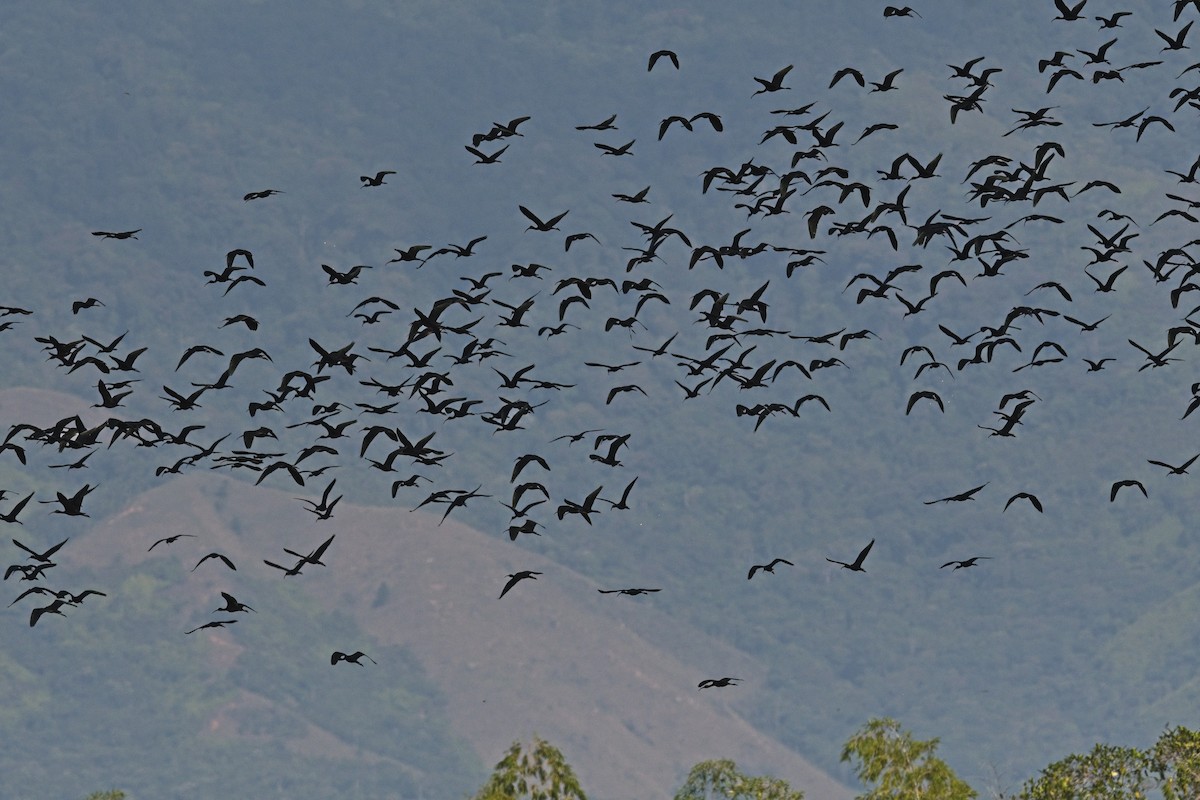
[1174, 470]
[768, 567]
[630, 592]
[225, 559]
[217, 623]
[970, 562]
[1118, 485]
[775, 84]
[957, 498]
[710, 683]
[656, 55]
[517, 577]
[71, 506]
[17, 508]
[232, 605]
[857, 566]
[539, 224]
[378, 180]
[1024, 496]
[351, 658]
[41, 557]
[265, 193]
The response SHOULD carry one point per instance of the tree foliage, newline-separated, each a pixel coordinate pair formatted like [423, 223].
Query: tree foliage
[901, 767]
[1176, 759]
[539, 772]
[713, 779]
[1108, 772]
[111, 794]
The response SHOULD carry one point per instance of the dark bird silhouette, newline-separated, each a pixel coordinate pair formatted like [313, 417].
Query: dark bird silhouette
[245, 319]
[1172, 470]
[232, 605]
[902, 11]
[517, 577]
[1106, 285]
[1118, 485]
[29, 572]
[44, 558]
[1084, 327]
[117, 234]
[539, 224]
[412, 253]
[81, 463]
[32, 590]
[261, 195]
[224, 559]
[1070, 13]
[639, 197]
[1154, 360]
[969, 494]
[170, 540]
[852, 72]
[768, 567]
[485, 158]
[217, 623]
[970, 562]
[79, 305]
[523, 461]
[584, 509]
[1024, 496]
[352, 658]
[604, 125]
[344, 278]
[54, 608]
[577, 237]
[924, 394]
[669, 121]
[857, 565]
[1059, 75]
[710, 683]
[609, 150]
[71, 506]
[1175, 42]
[613, 392]
[1101, 54]
[630, 592]
[575, 437]
[232, 255]
[1112, 21]
[313, 558]
[378, 180]
[623, 503]
[775, 84]
[655, 56]
[181, 403]
[12, 514]
[878, 126]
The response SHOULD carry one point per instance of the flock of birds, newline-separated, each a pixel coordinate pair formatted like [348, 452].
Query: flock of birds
[375, 415]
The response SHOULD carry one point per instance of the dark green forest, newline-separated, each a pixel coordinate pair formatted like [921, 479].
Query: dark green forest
[1076, 625]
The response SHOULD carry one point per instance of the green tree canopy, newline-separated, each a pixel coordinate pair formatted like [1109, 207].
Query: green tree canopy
[901, 767]
[712, 779]
[1176, 759]
[1124, 773]
[539, 772]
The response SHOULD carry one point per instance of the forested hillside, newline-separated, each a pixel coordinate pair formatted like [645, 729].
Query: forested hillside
[946, 308]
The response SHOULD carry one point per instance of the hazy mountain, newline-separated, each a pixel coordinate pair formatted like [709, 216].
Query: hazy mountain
[1074, 629]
